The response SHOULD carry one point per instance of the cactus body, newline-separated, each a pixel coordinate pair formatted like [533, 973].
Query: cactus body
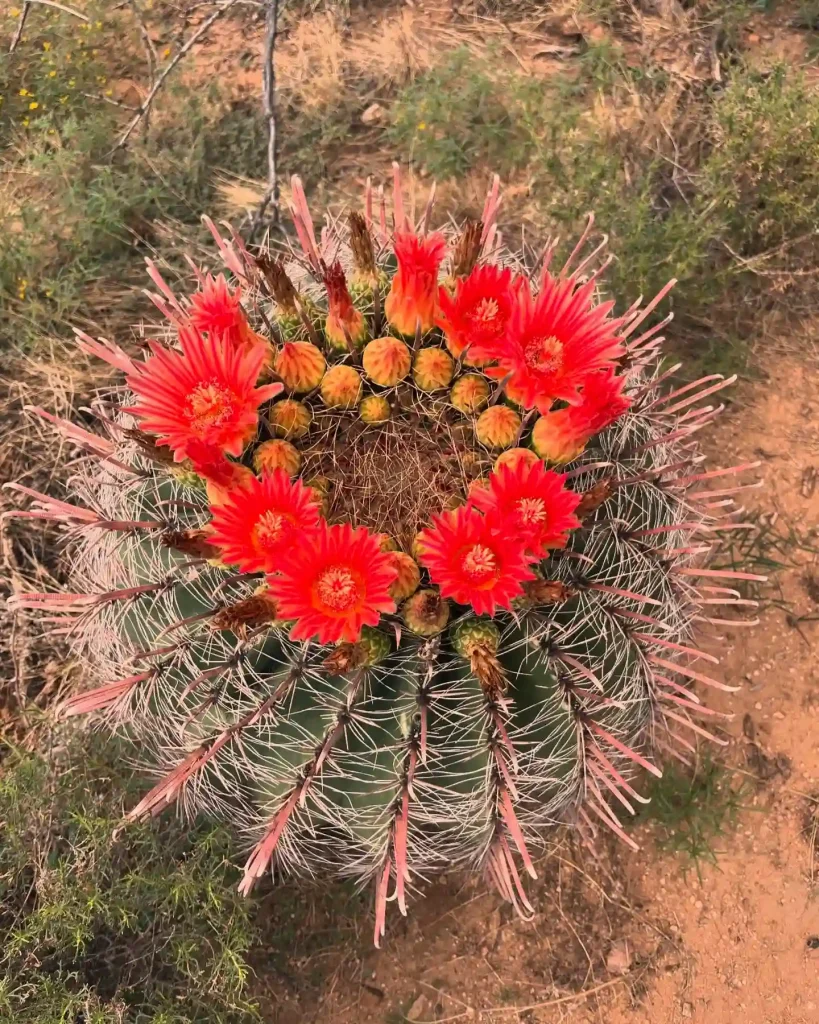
[434, 737]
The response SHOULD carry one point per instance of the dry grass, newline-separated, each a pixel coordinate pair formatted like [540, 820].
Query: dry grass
[59, 379]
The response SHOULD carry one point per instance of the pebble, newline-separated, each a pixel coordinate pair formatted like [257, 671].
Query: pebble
[373, 114]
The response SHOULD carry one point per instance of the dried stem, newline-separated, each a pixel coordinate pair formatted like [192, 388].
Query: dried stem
[184, 50]
[20, 26]
[56, 6]
[150, 49]
[271, 193]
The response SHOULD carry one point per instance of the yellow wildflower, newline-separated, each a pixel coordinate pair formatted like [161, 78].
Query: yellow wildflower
[33, 105]
[24, 92]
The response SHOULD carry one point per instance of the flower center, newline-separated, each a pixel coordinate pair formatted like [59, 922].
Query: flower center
[209, 405]
[485, 312]
[337, 588]
[531, 511]
[270, 528]
[480, 563]
[545, 354]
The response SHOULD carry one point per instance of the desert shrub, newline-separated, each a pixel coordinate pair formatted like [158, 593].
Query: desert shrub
[456, 115]
[78, 216]
[96, 927]
[761, 177]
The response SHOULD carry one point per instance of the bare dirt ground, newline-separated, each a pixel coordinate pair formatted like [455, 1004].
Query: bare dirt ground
[640, 936]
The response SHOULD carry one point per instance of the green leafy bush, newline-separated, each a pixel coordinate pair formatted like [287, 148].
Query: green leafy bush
[456, 115]
[761, 175]
[77, 215]
[146, 928]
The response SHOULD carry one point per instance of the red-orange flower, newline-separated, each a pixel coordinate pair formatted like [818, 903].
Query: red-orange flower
[554, 341]
[477, 315]
[601, 402]
[334, 583]
[222, 476]
[217, 311]
[474, 560]
[414, 290]
[533, 502]
[561, 436]
[344, 321]
[256, 525]
[205, 393]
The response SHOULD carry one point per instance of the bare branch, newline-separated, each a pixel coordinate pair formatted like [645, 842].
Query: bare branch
[108, 99]
[150, 49]
[149, 99]
[59, 7]
[271, 193]
[20, 26]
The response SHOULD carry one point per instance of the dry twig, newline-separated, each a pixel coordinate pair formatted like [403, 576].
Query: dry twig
[185, 49]
[150, 49]
[20, 26]
[43, 3]
[271, 193]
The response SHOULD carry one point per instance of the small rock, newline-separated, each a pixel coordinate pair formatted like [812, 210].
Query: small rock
[374, 114]
[753, 38]
[418, 1009]
[619, 959]
[493, 927]
[687, 1011]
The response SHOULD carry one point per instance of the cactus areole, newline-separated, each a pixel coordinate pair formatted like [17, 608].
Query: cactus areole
[390, 551]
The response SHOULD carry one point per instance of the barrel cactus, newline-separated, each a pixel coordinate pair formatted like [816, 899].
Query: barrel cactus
[390, 551]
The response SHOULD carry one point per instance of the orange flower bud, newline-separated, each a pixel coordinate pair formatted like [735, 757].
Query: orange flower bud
[341, 387]
[300, 365]
[413, 298]
[555, 439]
[277, 454]
[290, 418]
[514, 457]
[469, 394]
[432, 369]
[408, 578]
[375, 409]
[386, 361]
[498, 427]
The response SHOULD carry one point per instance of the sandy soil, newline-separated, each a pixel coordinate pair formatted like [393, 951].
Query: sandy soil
[642, 940]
